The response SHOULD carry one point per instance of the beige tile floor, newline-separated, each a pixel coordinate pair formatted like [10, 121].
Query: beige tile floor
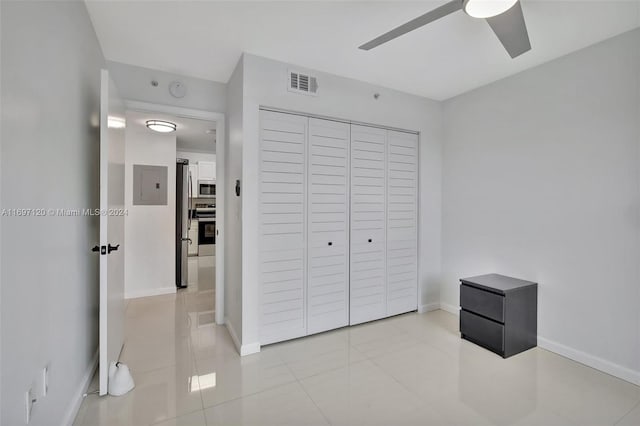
[408, 370]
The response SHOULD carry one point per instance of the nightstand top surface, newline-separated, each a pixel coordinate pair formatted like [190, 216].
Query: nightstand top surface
[497, 283]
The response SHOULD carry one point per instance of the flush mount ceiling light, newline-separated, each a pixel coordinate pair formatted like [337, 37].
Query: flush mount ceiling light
[161, 126]
[487, 8]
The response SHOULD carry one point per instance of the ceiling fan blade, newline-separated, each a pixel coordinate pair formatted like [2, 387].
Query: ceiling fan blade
[511, 30]
[418, 22]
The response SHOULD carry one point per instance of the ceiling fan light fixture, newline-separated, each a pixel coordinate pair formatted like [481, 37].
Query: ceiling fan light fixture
[487, 8]
[161, 126]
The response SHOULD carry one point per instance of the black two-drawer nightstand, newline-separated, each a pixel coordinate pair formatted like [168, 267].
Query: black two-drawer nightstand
[499, 313]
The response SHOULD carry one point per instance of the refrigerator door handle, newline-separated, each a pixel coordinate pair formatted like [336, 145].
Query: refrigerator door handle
[182, 222]
[189, 199]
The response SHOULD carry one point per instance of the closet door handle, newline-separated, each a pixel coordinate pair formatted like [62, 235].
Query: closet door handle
[370, 240]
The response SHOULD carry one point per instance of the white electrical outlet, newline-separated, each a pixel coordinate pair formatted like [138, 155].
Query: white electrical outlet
[45, 380]
[29, 400]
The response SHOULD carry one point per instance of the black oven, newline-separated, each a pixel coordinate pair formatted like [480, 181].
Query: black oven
[206, 231]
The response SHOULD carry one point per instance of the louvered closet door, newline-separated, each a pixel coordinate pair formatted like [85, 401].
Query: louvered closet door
[402, 226]
[328, 226]
[368, 298]
[283, 226]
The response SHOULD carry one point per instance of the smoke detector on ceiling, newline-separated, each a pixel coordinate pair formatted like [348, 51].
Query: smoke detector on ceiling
[177, 89]
[302, 83]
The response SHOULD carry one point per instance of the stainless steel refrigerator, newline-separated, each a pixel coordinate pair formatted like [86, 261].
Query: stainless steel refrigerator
[183, 221]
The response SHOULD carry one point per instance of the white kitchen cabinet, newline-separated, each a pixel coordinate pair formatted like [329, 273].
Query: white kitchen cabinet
[206, 170]
[193, 236]
[193, 183]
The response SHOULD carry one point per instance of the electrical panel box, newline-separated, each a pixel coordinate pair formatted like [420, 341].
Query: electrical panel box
[149, 185]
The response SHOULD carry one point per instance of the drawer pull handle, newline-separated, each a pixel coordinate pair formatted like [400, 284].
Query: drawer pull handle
[370, 240]
[330, 243]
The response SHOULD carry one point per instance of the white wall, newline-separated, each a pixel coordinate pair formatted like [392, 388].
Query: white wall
[149, 230]
[51, 64]
[134, 83]
[541, 182]
[265, 83]
[233, 146]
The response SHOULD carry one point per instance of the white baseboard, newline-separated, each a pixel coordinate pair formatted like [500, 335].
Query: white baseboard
[150, 292]
[232, 333]
[592, 361]
[76, 400]
[243, 350]
[428, 307]
[251, 348]
[452, 309]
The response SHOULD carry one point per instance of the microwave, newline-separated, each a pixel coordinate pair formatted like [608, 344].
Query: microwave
[206, 189]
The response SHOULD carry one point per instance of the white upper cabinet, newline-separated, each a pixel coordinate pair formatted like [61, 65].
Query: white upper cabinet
[328, 225]
[206, 170]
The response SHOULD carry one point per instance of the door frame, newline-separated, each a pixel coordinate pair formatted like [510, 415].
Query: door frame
[219, 119]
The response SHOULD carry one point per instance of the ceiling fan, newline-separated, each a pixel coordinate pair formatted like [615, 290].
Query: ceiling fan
[504, 17]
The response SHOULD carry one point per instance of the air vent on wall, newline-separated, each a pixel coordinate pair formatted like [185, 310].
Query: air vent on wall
[302, 83]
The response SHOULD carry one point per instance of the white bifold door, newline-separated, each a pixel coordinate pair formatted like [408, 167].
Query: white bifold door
[368, 293]
[283, 242]
[402, 222]
[328, 212]
[338, 231]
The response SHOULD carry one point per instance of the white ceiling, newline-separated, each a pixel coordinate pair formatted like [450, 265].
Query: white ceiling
[191, 134]
[451, 56]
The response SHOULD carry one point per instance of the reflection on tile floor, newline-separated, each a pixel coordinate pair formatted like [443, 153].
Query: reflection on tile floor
[407, 370]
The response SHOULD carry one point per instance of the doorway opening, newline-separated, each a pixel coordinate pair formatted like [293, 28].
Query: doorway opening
[196, 228]
[196, 198]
